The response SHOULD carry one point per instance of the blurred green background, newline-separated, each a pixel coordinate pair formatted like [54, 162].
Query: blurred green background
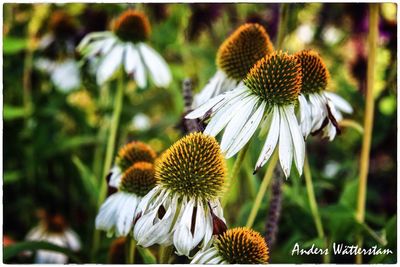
[54, 142]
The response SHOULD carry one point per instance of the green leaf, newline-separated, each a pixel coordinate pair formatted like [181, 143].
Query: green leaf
[13, 113]
[11, 176]
[349, 194]
[15, 249]
[72, 143]
[13, 45]
[147, 256]
[88, 178]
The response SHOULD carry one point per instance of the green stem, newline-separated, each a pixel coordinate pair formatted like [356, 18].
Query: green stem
[283, 17]
[165, 254]
[368, 120]
[263, 188]
[313, 204]
[118, 100]
[235, 172]
[131, 251]
[352, 124]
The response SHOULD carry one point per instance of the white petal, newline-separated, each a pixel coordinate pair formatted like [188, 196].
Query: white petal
[272, 139]
[285, 145]
[202, 256]
[218, 84]
[148, 233]
[298, 141]
[73, 241]
[134, 65]
[183, 238]
[234, 126]
[305, 116]
[126, 214]
[224, 115]
[66, 76]
[247, 132]
[339, 102]
[115, 177]
[203, 109]
[90, 38]
[156, 65]
[110, 64]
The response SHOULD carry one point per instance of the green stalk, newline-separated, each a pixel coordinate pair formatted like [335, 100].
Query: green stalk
[235, 172]
[283, 17]
[368, 120]
[313, 204]
[118, 100]
[263, 188]
[131, 251]
[165, 254]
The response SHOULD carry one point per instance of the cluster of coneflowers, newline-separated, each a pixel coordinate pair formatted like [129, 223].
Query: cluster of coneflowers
[174, 200]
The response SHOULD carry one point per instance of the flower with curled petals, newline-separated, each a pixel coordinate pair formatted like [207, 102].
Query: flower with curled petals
[184, 209]
[319, 110]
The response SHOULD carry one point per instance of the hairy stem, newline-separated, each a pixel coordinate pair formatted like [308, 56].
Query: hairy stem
[368, 120]
[275, 206]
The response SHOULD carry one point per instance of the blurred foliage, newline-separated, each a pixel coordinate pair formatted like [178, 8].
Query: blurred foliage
[54, 148]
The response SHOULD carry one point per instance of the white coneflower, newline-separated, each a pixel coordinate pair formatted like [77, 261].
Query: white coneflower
[319, 110]
[53, 229]
[117, 213]
[128, 155]
[237, 54]
[64, 74]
[60, 41]
[125, 46]
[235, 246]
[270, 90]
[184, 209]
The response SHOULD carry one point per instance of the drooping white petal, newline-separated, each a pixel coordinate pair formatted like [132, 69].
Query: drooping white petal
[72, 240]
[156, 65]
[285, 144]
[339, 102]
[203, 256]
[305, 116]
[183, 237]
[272, 139]
[106, 217]
[317, 111]
[126, 214]
[92, 37]
[66, 75]
[224, 115]
[203, 109]
[218, 84]
[134, 65]
[116, 175]
[234, 126]
[247, 132]
[298, 141]
[110, 64]
[149, 231]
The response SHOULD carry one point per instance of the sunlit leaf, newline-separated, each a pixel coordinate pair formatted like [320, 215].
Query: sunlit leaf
[13, 45]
